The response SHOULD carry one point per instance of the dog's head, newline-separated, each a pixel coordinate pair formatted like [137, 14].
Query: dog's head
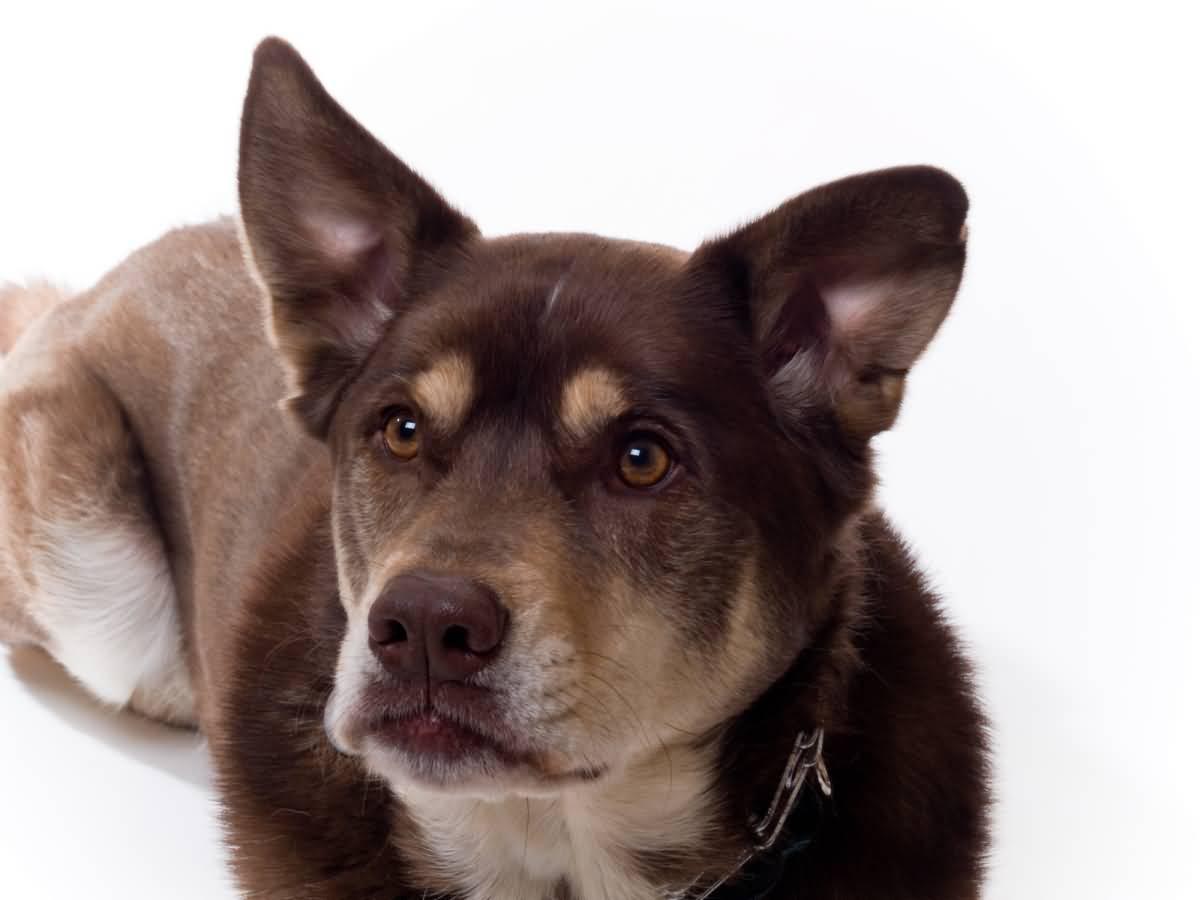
[589, 495]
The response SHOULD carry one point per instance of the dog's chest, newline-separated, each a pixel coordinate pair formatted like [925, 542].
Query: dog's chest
[585, 845]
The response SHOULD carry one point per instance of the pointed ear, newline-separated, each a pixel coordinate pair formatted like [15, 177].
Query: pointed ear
[843, 287]
[339, 231]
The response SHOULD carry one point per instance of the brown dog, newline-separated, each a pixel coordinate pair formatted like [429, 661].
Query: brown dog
[569, 583]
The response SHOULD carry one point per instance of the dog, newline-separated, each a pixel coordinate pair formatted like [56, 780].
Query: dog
[539, 567]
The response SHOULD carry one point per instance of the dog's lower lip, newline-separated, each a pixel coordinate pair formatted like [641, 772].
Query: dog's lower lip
[429, 734]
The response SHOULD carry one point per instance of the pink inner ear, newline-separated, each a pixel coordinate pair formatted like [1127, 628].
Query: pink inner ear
[340, 238]
[822, 328]
[851, 306]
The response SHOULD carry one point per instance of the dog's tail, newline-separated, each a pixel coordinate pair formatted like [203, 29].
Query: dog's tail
[20, 305]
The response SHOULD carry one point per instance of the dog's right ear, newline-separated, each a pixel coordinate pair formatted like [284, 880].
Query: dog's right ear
[841, 289]
[339, 231]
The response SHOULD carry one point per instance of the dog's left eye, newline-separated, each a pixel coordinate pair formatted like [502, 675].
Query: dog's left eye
[645, 461]
[402, 434]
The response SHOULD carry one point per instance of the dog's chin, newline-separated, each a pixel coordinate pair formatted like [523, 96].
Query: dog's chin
[486, 774]
[441, 761]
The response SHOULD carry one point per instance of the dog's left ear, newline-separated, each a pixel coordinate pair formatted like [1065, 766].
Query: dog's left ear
[341, 233]
[843, 287]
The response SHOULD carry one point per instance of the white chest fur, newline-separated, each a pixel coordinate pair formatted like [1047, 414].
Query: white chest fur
[586, 838]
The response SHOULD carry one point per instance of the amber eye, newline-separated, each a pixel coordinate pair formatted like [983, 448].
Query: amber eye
[402, 434]
[644, 462]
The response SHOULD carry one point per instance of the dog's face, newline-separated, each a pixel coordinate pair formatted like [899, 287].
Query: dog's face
[558, 424]
[587, 492]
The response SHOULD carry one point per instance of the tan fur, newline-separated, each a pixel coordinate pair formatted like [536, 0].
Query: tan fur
[21, 305]
[85, 571]
[83, 568]
[444, 391]
[591, 399]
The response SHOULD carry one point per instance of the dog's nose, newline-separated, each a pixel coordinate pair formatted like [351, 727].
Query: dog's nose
[427, 625]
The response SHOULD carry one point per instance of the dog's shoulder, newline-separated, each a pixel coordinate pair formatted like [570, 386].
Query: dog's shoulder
[909, 761]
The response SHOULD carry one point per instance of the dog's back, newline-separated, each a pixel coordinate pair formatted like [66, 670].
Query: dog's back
[130, 410]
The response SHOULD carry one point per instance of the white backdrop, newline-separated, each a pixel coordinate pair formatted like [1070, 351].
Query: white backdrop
[1044, 465]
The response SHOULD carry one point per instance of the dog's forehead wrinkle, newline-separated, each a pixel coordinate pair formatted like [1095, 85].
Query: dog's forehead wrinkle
[539, 267]
[554, 294]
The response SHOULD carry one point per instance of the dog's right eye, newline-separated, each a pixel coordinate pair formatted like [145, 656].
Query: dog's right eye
[401, 434]
[645, 462]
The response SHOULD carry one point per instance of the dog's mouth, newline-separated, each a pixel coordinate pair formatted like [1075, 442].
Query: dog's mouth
[452, 737]
[436, 737]
[447, 721]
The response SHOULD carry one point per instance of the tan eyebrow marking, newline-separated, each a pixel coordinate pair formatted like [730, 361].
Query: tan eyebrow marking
[591, 399]
[445, 391]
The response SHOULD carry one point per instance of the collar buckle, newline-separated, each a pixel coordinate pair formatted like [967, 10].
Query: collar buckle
[807, 756]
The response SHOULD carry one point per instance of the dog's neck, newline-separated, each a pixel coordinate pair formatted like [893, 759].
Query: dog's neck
[587, 843]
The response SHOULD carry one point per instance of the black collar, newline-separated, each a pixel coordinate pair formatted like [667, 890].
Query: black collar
[778, 835]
